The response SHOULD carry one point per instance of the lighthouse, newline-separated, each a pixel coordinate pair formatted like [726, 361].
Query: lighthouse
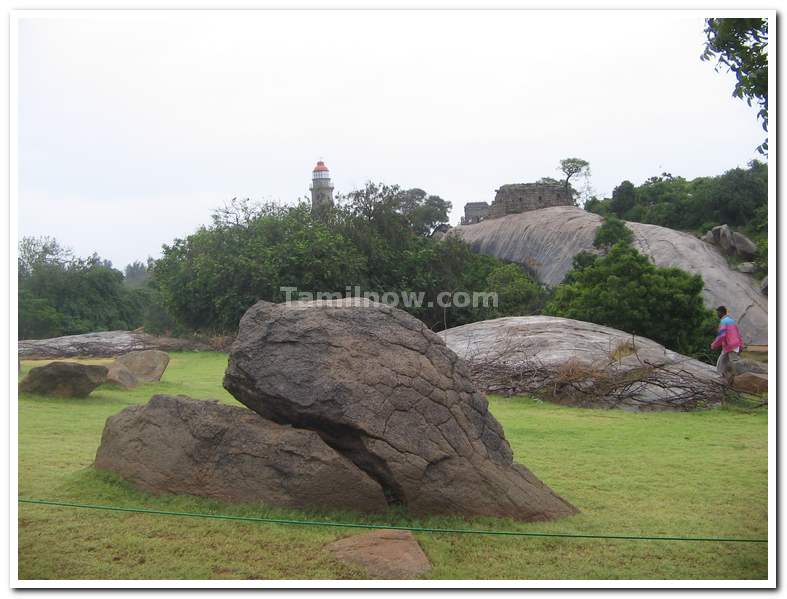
[322, 189]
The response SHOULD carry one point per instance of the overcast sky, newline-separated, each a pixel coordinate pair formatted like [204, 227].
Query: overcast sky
[132, 130]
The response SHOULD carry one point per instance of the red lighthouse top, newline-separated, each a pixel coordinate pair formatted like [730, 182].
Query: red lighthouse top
[320, 167]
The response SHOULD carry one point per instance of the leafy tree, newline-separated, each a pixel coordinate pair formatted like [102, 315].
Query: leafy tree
[738, 198]
[626, 291]
[209, 279]
[517, 293]
[376, 238]
[623, 198]
[741, 45]
[612, 231]
[60, 294]
[572, 167]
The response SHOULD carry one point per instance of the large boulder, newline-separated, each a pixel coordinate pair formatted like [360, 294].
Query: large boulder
[744, 246]
[147, 365]
[384, 391]
[203, 448]
[120, 376]
[545, 241]
[581, 363]
[64, 379]
[106, 344]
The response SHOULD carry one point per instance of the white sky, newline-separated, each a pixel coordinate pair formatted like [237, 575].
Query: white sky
[131, 130]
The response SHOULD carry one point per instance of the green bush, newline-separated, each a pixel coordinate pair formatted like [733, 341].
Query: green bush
[517, 293]
[612, 231]
[626, 291]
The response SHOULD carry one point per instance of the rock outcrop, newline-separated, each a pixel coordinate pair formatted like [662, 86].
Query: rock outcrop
[146, 365]
[63, 379]
[105, 344]
[384, 391]
[203, 448]
[545, 241]
[581, 363]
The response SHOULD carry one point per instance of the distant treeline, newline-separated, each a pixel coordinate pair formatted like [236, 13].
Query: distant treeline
[738, 198]
[387, 239]
[378, 238]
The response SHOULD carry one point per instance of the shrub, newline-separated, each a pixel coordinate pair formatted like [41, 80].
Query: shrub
[626, 291]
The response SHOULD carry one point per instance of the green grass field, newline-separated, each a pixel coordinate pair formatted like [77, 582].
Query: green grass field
[687, 474]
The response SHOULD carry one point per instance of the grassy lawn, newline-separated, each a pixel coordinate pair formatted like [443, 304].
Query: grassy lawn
[686, 474]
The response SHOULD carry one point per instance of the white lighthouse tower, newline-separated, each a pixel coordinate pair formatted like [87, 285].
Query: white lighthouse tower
[322, 189]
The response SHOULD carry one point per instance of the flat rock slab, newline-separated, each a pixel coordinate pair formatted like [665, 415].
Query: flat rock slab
[146, 365]
[63, 379]
[384, 391]
[546, 344]
[390, 554]
[203, 448]
[546, 241]
[106, 344]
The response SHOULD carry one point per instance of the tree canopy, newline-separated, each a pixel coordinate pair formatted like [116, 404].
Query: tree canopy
[626, 291]
[377, 238]
[741, 45]
[63, 295]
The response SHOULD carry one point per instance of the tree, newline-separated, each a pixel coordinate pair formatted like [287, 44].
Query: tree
[623, 199]
[517, 293]
[625, 290]
[571, 167]
[741, 45]
[612, 231]
[63, 295]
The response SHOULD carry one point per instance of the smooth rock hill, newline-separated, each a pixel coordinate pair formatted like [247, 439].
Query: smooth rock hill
[203, 448]
[105, 344]
[385, 392]
[546, 241]
[539, 353]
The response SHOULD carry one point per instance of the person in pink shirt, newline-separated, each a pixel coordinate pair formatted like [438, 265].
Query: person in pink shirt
[728, 339]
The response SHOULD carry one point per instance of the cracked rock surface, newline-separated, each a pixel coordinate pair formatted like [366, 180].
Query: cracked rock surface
[386, 393]
[187, 446]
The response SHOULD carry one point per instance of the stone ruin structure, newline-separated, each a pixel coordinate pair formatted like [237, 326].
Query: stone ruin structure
[475, 212]
[518, 197]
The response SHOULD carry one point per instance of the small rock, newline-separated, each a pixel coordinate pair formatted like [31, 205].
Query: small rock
[709, 238]
[121, 376]
[764, 286]
[389, 554]
[64, 379]
[750, 382]
[746, 267]
[742, 365]
[744, 246]
[147, 365]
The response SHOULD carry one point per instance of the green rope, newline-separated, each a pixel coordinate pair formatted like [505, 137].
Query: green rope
[515, 533]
